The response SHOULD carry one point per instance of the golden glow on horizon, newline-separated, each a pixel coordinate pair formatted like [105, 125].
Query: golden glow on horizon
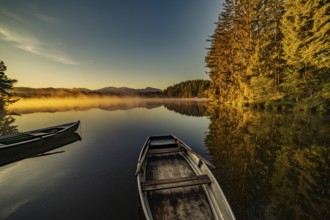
[83, 103]
[67, 104]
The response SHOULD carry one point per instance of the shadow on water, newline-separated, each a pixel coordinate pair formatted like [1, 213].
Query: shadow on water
[37, 149]
[33, 149]
[272, 165]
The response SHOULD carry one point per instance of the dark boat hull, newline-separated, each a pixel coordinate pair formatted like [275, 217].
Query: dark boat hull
[14, 140]
[18, 146]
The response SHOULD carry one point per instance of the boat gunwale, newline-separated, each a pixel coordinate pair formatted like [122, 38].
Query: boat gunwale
[199, 168]
[67, 126]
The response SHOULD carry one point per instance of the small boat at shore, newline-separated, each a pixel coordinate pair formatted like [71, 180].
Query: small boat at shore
[175, 182]
[19, 146]
[13, 140]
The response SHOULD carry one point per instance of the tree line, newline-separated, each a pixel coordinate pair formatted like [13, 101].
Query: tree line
[188, 89]
[270, 50]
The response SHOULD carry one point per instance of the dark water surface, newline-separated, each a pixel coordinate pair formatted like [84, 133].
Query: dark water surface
[269, 165]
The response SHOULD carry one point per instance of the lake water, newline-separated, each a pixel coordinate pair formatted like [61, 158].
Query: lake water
[270, 165]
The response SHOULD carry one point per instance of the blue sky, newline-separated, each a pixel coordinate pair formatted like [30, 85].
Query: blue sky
[94, 44]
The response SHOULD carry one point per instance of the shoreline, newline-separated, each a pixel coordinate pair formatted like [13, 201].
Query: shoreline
[281, 106]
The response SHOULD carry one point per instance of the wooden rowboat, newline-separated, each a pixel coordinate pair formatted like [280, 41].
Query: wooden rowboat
[175, 183]
[18, 146]
[17, 139]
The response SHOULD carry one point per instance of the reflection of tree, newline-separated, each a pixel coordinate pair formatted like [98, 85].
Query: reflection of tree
[247, 148]
[300, 183]
[230, 144]
[189, 108]
[6, 123]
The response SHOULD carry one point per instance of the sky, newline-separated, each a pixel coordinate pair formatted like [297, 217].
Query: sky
[99, 43]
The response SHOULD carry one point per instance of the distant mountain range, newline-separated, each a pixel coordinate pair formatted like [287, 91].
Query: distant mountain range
[26, 92]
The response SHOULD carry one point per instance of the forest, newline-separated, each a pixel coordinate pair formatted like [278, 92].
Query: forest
[271, 51]
[188, 89]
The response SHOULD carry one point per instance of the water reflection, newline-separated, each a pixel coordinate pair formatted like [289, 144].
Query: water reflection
[94, 179]
[33, 105]
[190, 108]
[38, 148]
[7, 123]
[271, 166]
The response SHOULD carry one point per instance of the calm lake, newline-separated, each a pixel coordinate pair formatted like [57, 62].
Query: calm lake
[270, 165]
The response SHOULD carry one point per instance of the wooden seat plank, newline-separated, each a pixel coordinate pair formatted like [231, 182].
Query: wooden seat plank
[165, 150]
[175, 182]
[160, 142]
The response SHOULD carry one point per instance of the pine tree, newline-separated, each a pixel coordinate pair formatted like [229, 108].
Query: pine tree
[247, 32]
[230, 58]
[267, 62]
[5, 85]
[270, 50]
[220, 57]
[188, 89]
[306, 29]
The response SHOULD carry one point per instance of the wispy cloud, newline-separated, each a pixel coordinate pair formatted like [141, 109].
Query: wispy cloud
[47, 19]
[34, 45]
[21, 36]
[13, 16]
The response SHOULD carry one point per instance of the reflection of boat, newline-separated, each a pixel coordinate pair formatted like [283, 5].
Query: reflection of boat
[175, 183]
[18, 146]
[17, 139]
[37, 148]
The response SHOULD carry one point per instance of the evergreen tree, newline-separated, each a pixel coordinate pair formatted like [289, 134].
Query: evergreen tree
[220, 57]
[265, 50]
[188, 89]
[268, 62]
[306, 45]
[245, 24]
[5, 85]
[239, 47]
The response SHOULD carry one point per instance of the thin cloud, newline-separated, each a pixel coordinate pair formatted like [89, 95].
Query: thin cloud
[47, 19]
[34, 45]
[19, 35]
[14, 16]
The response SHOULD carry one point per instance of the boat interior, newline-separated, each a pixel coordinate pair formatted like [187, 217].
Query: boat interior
[173, 188]
[14, 138]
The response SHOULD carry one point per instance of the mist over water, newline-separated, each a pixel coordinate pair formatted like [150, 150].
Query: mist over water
[83, 103]
[270, 165]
